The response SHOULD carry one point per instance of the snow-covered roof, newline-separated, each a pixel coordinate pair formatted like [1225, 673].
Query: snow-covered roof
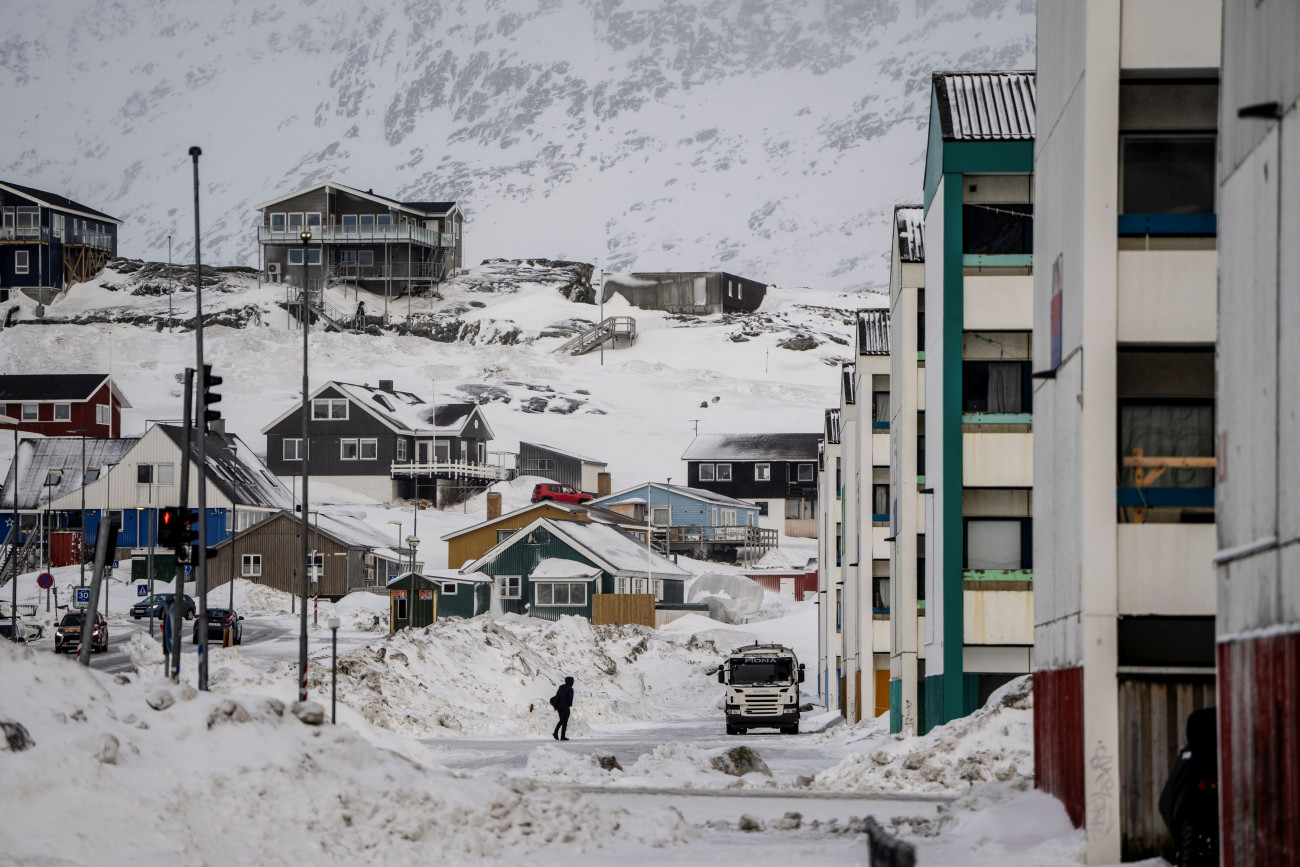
[453, 575]
[986, 106]
[235, 471]
[617, 552]
[71, 387]
[59, 203]
[564, 452]
[753, 447]
[873, 332]
[558, 567]
[909, 220]
[595, 513]
[403, 411]
[693, 493]
[38, 456]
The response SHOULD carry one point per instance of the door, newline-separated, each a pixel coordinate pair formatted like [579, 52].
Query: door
[424, 451]
[701, 292]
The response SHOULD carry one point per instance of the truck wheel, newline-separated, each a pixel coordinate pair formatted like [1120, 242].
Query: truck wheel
[790, 730]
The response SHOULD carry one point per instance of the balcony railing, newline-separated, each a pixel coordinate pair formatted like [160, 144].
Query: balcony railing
[752, 536]
[339, 235]
[89, 238]
[41, 235]
[397, 271]
[453, 470]
[35, 234]
[1146, 469]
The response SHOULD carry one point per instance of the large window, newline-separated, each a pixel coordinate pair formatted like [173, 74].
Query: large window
[508, 587]
[998, 229]
[292, 449]
[251, 566]
[295, 256]
[880, 501]
[996, 386]
[329, 408]
[1168, 430]
[999, 543]
[560, 593]
[1167, 174]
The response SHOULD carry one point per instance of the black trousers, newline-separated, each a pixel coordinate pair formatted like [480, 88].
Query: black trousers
[562, 727]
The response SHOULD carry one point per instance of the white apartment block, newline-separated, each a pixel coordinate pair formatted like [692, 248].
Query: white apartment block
[830, 591]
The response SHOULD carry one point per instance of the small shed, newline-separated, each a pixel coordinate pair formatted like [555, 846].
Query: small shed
[462, 595]
[697, 293]
[561, 465]
[412, 602]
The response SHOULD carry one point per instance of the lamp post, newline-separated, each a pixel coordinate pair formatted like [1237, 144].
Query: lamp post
[413, 542]
[333, 624]
[13, 536]
[82, 546]
[306, 474]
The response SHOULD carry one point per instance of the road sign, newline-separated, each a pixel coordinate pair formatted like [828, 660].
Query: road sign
[45, 581]
[115, 564]
[83, 596]
[187, 568]
[142, 590]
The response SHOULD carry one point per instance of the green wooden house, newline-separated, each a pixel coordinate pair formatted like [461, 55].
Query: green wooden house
[412, 602]
[461, 595]
[551, 568]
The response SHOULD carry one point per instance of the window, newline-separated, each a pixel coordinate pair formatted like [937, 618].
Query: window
[400, 610]
[502, 535]
[1001, 229]
[62, 411]
[164, 474]
[880, 502]
[292, 449]
[348, 257]
[368, 223]
[762, 507]
[384, 222]
[1168, 430]
[103, 414]
[762, 472]
[349, 222]
[805, 472]
[561, 593]
[53, 477]
[56, 225]
[251, 566]
[348, 449]
[1167, 174]
[21, 262]
[295, 256]
[442, 451]
[366, 257]
[723, 472]
[508, 587]
[996, 386]
[706, 472]
[31, 411]
[449, 588]
[295, 223]
[728, 517]
[880, 406]
[331, 408]
[277, 223]
[999, 543]
[313, 222]
[92, 475]
[659, 516]
[369, 449]
[880, 594]
[401, 449]
[659, 589]
[144, 474]
[799, 509]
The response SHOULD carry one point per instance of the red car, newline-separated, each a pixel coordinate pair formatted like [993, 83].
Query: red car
[559, 493]
[67, 638]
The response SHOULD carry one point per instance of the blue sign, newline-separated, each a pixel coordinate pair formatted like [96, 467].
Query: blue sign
[142, 590]
[45, 581]
[83, 595]
[115, 562]
[187, 568]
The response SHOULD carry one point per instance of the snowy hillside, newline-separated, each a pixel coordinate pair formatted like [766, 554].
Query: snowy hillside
[767, 138]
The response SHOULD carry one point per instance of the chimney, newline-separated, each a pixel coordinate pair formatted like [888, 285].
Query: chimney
[604, 485]
[386, 385]
[493, 505]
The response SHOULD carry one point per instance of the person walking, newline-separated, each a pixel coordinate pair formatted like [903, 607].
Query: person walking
[562, 701]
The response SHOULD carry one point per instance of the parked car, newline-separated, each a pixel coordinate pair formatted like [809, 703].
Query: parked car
[559, 493]
[219, 620]
[29, 628]
[67, 637]
[159, 602]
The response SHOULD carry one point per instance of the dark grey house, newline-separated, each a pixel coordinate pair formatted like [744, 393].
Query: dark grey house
[48, 241]
[560, 466]
[776, 471]
[384, 443]
[695, 292]
[357, 237]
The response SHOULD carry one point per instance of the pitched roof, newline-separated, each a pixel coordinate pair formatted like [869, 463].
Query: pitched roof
[426, 208]
[36, 457]
[54, 200]
[564, 452]
[618, 552]
[55, 386]
[403, 411]
[595, 513]
[235, 470]
[986, 106]
[346, 531]
[695, 493]
[753, 447]
[873, 332]
[909, 222]
[436, 208]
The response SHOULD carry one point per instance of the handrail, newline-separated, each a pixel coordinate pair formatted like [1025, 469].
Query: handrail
[338, 235]
[453, 469]
[611, 328]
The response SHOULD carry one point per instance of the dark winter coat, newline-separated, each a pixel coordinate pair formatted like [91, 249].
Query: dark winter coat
[1191, 792]
[563, 697]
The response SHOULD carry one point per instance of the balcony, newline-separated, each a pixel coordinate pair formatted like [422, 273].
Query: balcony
[407, 234]
[1168, 295]
[453, 470]
[395, 271]
[998, 460]
[24, 235]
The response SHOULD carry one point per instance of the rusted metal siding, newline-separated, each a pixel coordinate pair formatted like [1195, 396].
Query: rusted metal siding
[1259, 751]
[1058, 737]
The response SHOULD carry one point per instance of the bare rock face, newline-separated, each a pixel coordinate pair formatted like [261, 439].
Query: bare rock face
[16, 737]
[308, 712]
[739, 761]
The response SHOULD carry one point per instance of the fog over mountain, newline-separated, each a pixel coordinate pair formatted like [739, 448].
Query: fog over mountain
[770, 139]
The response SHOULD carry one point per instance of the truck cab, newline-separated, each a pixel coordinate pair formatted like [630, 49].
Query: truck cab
[762, 683]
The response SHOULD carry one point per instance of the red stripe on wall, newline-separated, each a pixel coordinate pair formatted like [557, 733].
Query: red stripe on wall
[1058, 737]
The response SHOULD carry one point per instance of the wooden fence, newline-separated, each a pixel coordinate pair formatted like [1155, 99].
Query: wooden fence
[624, 608]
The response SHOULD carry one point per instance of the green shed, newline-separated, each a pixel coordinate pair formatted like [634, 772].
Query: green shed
[412, 601]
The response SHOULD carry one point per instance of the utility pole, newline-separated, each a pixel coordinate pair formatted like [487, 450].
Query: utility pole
[201, 432]
[306, 475]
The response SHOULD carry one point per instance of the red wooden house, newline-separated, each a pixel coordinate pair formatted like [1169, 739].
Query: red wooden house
[57, 404]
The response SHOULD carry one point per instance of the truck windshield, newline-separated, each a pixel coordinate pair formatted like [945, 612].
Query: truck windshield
[756, 671]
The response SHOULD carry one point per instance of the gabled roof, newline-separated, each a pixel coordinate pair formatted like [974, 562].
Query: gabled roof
[985, 106]
[617, 552]
[36, 457]
[909, 223]
[437, 209]
[753, 447]
[56, 386]
[567, 454]
[595, 513]
[693, 493]
[873, 332]
[403, 411]
[235, 470]
[428, 209]
[59, 203]
[348, 533]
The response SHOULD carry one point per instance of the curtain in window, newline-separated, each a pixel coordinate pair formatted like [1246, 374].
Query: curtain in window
[880, 406]
[1168, 431]
[880, 499]
[1006, 386]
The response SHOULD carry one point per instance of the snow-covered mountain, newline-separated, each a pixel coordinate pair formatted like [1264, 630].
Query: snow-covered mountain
[767, 138]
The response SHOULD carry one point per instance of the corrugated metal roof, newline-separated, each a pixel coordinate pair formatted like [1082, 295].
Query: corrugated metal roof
[909, 220]
[873, 332]
[833, 426]
[753, 447]
[986, 106]
[848, 383]
[38, 457]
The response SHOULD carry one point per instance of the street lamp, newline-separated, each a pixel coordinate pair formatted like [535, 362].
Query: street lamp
[82, 546]
[306, 474]
[13, 536]
[333, 624]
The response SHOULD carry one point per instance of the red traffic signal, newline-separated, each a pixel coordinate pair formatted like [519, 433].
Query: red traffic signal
[177, 527]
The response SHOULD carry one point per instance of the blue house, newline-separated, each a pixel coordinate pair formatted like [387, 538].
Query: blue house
[694, 521]
[48, 242]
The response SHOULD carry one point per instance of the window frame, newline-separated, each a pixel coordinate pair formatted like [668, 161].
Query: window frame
[705, 472]
[297, 449]
[63, 412]
[399, 448]
[22, 262]
[763, 472]
[1026, 540]
[722, 472]
[30, 412]
[368, 442]
[344, 443]
[1127, 137]
[552, 586]
[504, 583]
[449, 588]
[330, 404]
[282, 219]
[811, 476]
[169, 470]
[103, 413]
[504, 533]
[250, 566]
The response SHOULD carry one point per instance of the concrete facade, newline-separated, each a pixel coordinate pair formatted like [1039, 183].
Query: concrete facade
[830, 519]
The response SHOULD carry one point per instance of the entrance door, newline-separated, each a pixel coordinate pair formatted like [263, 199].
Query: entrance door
[424, 451]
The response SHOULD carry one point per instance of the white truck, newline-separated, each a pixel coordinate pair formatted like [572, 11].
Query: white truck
[762, 688]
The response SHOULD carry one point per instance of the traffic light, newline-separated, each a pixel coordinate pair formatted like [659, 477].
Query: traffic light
[177, 527]
[210, 397]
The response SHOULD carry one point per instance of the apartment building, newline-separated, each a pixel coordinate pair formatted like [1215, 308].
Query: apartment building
[1258, 627]
[907, 471]
[1124, 469]
[979, 209]
[830, 524]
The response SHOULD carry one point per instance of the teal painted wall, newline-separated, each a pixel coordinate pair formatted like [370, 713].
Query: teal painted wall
[521, 558]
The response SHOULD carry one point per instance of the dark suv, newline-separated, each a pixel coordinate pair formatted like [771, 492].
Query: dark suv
[559, 493]
[219, 620]
[159, 602]
[68, 636]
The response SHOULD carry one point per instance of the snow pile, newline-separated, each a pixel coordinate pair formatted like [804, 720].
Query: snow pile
[993, 744]
[731, 598]
[188, 772]
[669, 765]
